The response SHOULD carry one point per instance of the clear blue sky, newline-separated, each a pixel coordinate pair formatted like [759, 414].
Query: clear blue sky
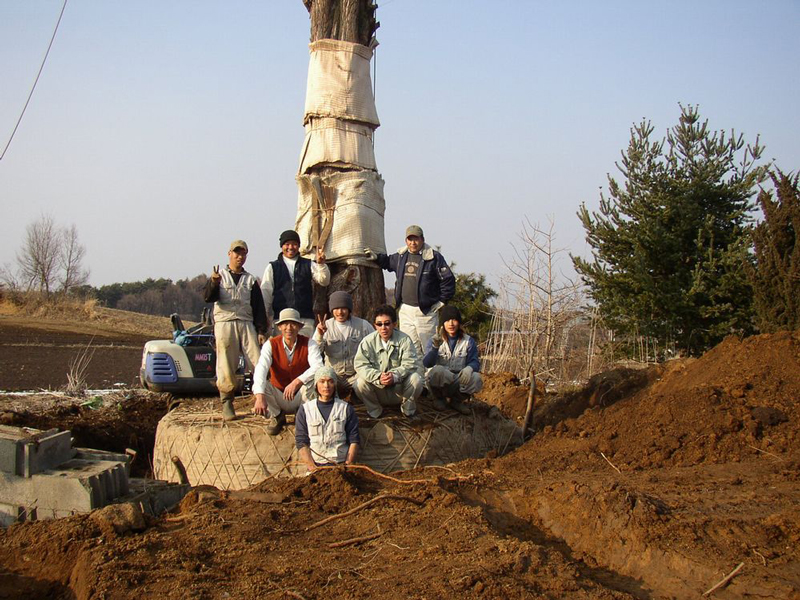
[165, 129]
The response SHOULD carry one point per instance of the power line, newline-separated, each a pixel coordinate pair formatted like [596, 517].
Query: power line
[44, 60]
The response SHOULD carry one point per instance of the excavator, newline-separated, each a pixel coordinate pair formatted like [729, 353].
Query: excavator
[186, 364]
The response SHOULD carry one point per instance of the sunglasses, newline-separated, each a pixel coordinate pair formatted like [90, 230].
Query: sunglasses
[383, 323]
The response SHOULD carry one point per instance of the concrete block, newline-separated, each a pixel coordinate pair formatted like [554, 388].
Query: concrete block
[76, 486]
[25, 452]
[93, 454]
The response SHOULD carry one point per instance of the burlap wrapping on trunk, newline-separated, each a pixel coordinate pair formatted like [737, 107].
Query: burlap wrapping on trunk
[332, 142]
[339, 84]
[343, 213]
[238, 454]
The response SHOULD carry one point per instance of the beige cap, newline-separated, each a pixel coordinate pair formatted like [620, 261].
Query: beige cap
[289, 314]
[238, 244]
[414, 230]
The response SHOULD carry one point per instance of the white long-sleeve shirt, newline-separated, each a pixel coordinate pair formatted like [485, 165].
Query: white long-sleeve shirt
[261, 373]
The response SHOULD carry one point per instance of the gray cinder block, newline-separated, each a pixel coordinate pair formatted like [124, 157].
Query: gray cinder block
[26, 452]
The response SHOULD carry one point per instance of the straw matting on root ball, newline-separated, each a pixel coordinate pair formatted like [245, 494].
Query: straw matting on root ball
[237, 454]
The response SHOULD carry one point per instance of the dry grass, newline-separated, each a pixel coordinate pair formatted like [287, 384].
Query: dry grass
[83, 315]
[76, 375]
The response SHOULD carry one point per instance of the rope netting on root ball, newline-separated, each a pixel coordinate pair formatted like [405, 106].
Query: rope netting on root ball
[195, 444]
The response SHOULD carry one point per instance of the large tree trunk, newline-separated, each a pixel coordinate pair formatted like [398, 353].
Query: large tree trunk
[346, 20]
[349, 21]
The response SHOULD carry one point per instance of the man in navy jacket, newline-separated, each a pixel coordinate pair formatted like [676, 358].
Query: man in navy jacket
[424, 284]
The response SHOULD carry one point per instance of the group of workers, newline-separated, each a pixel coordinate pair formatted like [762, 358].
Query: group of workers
[310, 367]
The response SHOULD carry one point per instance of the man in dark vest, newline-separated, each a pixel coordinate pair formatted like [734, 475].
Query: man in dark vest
[284, 376]
[287, 281]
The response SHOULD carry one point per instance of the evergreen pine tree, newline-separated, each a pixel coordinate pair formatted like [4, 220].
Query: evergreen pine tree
[473, 299]
[669, 244]
[775, 275]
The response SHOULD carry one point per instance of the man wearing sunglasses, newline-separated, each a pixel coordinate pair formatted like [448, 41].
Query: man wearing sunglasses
[388, 364]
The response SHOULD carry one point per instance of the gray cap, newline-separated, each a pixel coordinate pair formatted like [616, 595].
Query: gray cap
[414, 230]
[324, 372]
[340, 299]
[289, 314]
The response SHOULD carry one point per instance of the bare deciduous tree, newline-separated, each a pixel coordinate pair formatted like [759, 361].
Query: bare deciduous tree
[50, 259]
[39, 257]
[71, 260]
[538, 307]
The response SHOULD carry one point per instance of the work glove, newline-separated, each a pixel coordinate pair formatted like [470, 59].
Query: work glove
[368, 252]
[465, 373]
[436, 340]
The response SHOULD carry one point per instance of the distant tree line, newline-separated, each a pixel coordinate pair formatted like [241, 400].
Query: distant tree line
[153, 296]
[163, 297]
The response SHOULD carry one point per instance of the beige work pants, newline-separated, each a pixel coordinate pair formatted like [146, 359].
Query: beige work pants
[277, 404]
[346, 385]
[234, 338]
[418, 326]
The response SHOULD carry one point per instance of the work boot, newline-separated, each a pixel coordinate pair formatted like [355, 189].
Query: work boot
[413, 419]
[275, 424]
[228, 412]
[457, 405]
[453, 392]
[439, 402]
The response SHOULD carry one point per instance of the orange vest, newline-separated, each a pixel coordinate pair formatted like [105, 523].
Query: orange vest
[281, 373]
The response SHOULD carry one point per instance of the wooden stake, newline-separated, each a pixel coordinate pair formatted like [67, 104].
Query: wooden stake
[184, 479]
[359, 507]
[355, 540]
[528, 421]
[612, 464]
[725, 579]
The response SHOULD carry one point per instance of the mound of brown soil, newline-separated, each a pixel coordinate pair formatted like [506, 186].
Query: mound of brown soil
[690, 471]
[740, 399]
[505, 391]
[419, 540]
